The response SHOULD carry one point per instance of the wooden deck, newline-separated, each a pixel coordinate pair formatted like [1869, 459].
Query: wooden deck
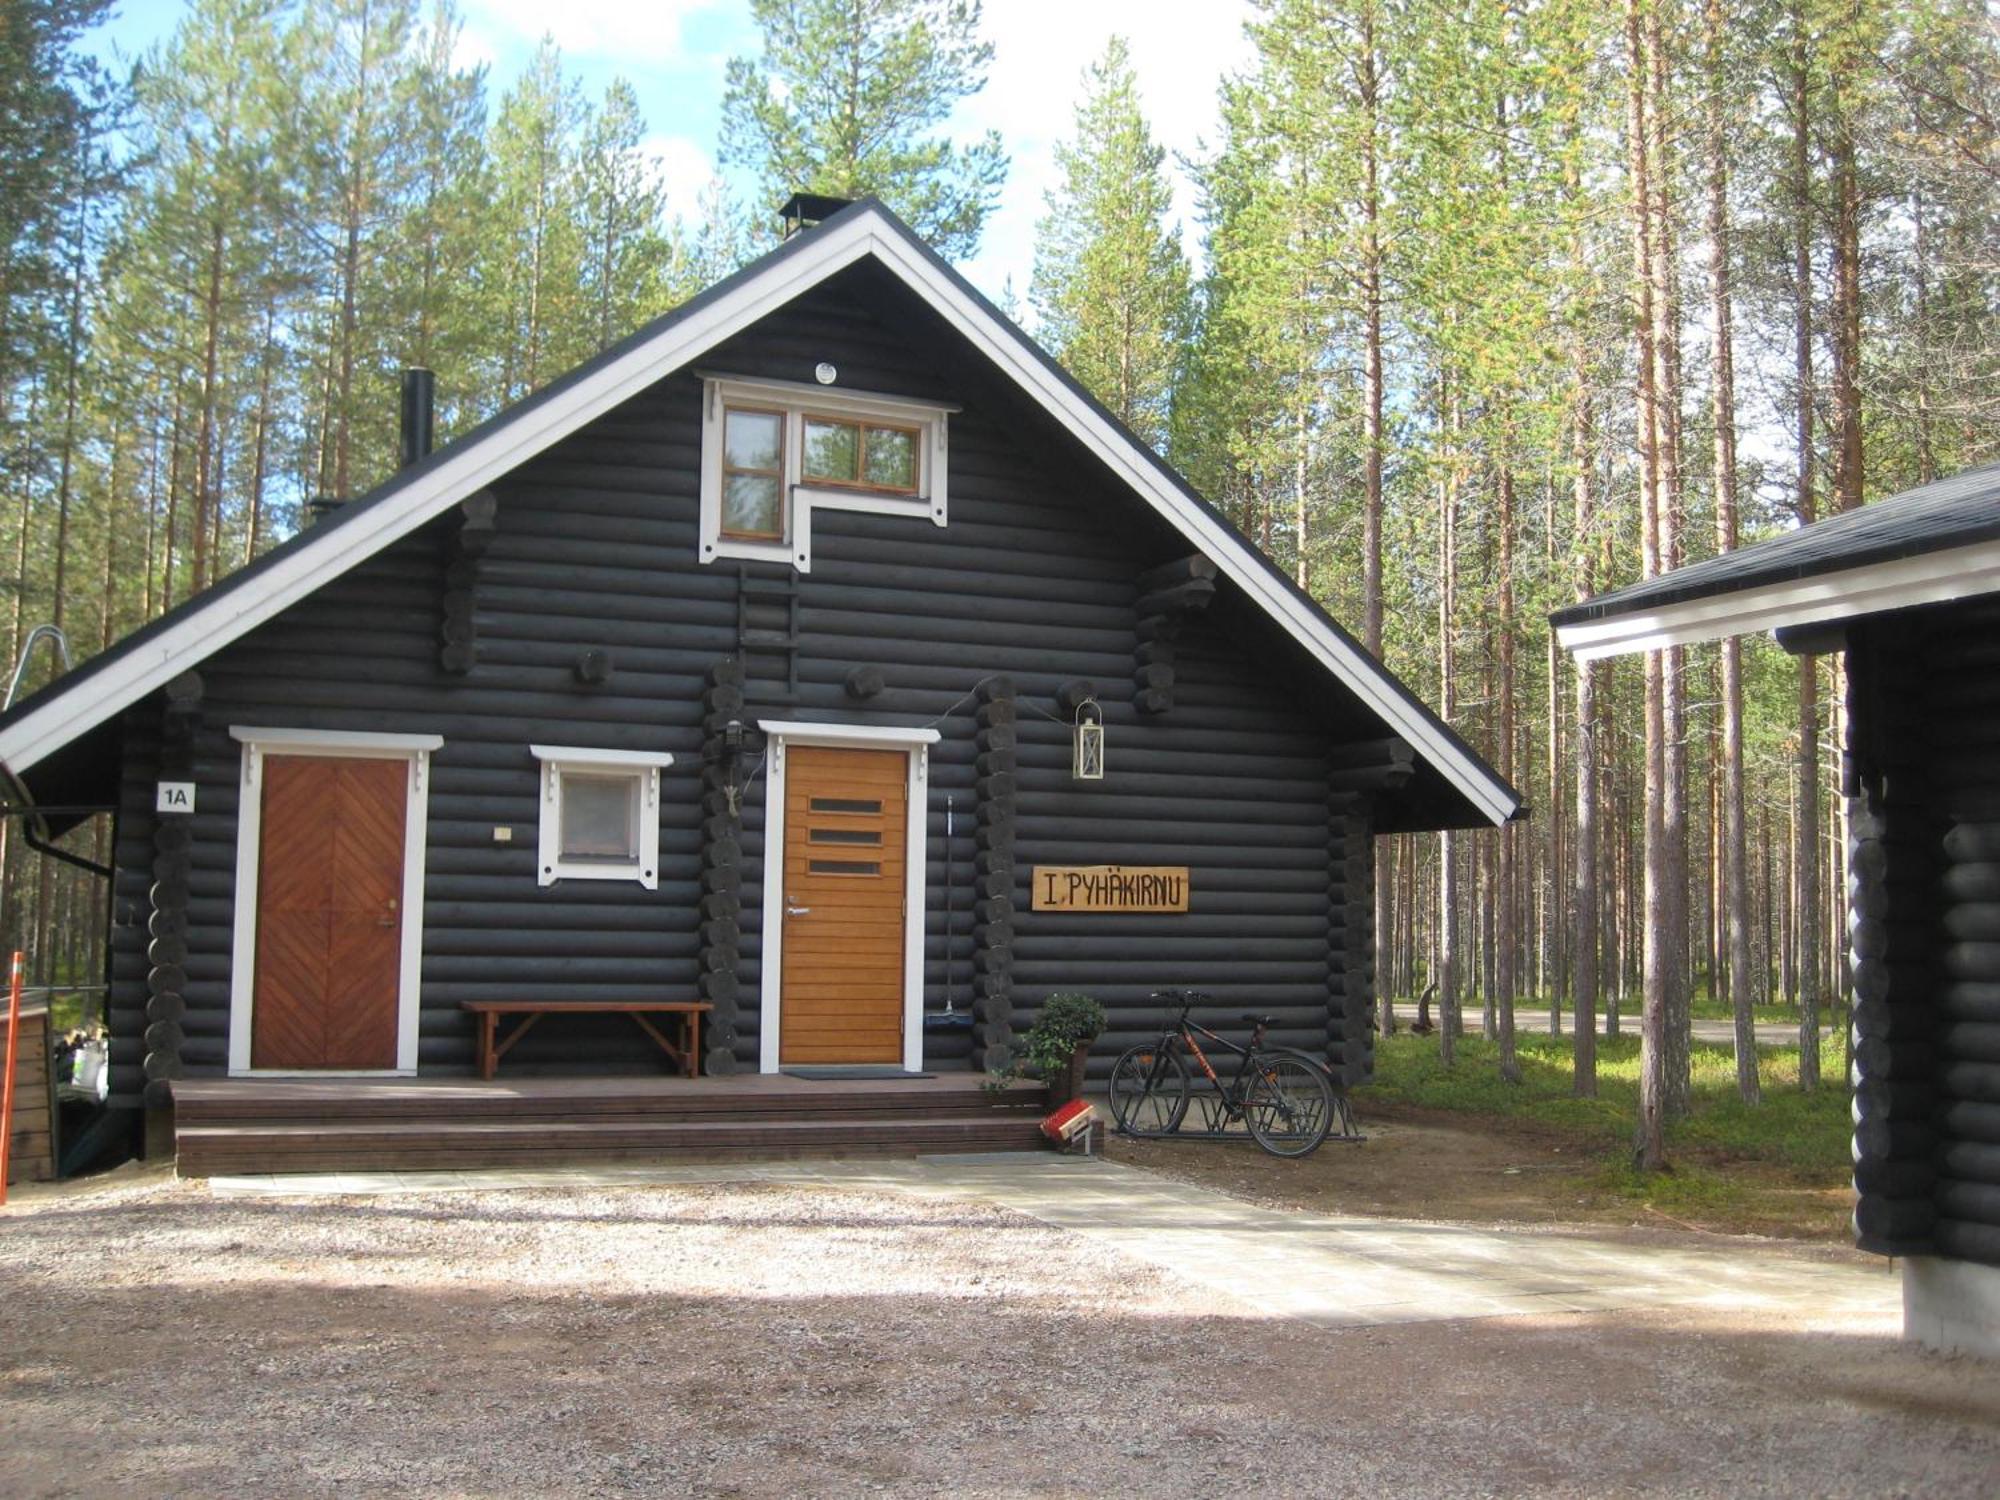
[243, 1125]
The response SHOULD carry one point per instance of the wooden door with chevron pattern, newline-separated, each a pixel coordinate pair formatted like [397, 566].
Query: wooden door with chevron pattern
[329, 917]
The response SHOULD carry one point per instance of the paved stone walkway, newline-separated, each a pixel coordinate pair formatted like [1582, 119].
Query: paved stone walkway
[1326, 1269]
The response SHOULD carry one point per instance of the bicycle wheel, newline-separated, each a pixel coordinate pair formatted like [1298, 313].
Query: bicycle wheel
[1289, 1104]
[1149, 1090]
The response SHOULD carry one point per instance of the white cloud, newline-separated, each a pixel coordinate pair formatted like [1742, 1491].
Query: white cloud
[685, 168]
[1180, 53]
[622, 31]
[473, 49]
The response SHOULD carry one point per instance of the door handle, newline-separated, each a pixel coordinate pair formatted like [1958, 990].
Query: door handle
[388, 917]
[796, 911]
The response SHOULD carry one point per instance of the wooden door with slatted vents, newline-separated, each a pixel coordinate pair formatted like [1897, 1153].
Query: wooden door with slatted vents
[845, 853]
[329, 917]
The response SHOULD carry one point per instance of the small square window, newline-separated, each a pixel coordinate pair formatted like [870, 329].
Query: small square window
[600, 816]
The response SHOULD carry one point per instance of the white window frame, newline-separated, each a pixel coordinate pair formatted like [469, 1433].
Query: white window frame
[416, 749]
[915, 743]
[797, 401]
[643, 765]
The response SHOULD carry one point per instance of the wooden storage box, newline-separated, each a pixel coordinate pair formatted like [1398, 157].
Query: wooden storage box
[32, 1157]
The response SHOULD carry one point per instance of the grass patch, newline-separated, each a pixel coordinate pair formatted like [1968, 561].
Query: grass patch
[1766, 1166]
[65, 1012]
[1764, 1015]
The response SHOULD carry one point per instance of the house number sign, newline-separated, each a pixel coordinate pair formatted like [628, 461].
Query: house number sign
[1133, 888]
[174, 797]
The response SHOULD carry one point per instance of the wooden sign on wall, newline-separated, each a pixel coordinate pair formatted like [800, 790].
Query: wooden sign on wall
[1133, 888]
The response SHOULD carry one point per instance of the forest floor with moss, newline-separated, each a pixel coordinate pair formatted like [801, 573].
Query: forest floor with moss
[1461, 1144]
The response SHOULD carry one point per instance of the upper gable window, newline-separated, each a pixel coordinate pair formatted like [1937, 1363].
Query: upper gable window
[753, 475]
[773, 452]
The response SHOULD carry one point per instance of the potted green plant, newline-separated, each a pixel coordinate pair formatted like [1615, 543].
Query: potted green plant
[1055, 1048]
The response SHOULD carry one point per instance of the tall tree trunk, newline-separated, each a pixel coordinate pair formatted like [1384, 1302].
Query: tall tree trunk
[1301, 484]
[1805, 924]
[1371, 334]
[260, 453]
[207, 482]
[1657, 938]
[1369, 90]
[1555, 928]
[1847, 456]
[1927, 466]
[72, 371]
[1590, 749]
[1504, 906]
[1447, 969]
[1670, 517]
[1733, 895]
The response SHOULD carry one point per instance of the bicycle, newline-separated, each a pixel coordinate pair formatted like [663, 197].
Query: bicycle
[1282, 1096]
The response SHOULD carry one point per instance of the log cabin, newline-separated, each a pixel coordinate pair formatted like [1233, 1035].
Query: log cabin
[821, 655]
[1908, 592]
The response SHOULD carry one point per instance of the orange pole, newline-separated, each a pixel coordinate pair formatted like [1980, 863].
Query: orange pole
[7, 1088]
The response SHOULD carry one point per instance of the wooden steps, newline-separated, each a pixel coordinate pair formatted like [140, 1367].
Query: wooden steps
[238, 1126]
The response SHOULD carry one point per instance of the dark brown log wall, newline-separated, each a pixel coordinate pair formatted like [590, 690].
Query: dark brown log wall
[590, 556]
[1924, 769]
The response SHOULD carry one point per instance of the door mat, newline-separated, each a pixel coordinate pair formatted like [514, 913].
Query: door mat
[854, 1070]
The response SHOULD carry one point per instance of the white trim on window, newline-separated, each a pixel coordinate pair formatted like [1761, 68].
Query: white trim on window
[258, 743]
[917, 742]
[799, 498]
[644, 767]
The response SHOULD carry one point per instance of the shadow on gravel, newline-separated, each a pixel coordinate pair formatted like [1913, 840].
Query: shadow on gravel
[286, 1389]
[194, 1346]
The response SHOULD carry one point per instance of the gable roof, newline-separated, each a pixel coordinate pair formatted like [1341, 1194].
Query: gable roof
[1939, 541]
[187, 635]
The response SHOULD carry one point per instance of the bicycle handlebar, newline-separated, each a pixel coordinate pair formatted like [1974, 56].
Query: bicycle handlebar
[1185, 999]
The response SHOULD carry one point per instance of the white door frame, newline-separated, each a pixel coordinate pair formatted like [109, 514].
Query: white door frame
[257, 743]
[915, 743]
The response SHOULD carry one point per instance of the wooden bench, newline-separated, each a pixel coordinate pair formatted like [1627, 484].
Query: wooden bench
[493, 1047]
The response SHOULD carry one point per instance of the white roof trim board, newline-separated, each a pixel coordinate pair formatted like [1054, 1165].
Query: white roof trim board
[483, 458]
[1931, 578]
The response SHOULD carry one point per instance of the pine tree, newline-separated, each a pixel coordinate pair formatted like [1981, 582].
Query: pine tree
[1110, 286]
[204, 247]
[626, 250]
[354, 158]
[845, 100]
[433, 294]
[46, 89]
[535, 245]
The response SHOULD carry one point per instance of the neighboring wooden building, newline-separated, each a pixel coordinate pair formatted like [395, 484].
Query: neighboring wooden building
[816, 574]
[1909, 590]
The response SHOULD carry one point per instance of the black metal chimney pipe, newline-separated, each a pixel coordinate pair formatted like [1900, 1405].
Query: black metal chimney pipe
[419, 387]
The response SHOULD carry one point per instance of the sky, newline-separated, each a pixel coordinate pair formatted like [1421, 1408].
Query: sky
[673, 52]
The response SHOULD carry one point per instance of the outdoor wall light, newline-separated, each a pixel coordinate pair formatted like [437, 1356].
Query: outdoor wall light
[735, 739]
[1087, 763]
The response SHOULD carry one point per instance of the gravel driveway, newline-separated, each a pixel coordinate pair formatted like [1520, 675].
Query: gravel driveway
[798, 1339]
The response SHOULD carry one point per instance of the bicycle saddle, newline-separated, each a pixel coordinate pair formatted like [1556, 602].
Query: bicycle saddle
[1256, 1020]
